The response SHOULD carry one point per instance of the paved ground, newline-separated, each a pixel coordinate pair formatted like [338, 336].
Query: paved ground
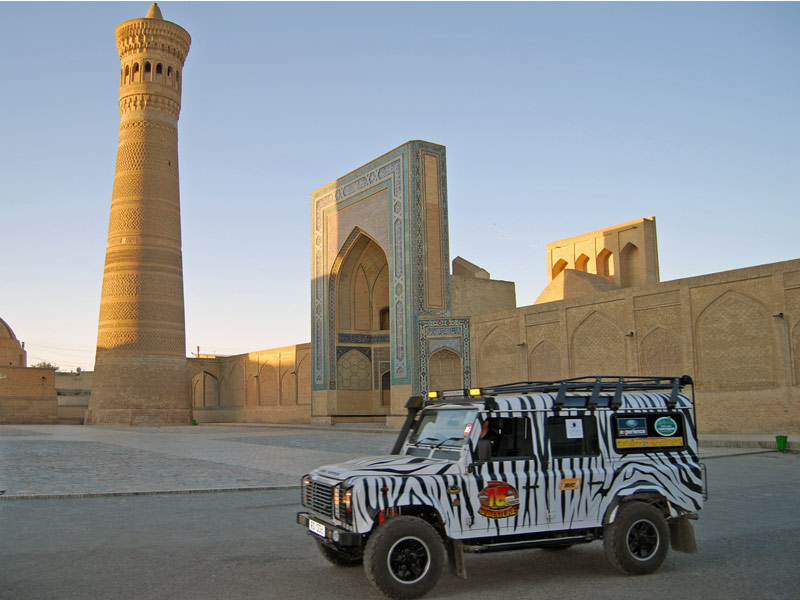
[45, 461]
[247, 546]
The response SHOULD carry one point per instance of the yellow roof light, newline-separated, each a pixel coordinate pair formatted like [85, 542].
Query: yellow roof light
[475, 392]
[433, 395]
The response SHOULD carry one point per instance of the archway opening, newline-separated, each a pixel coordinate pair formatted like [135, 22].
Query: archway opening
[362, 330]
[605, 263]
[559, 267]
[630, 269]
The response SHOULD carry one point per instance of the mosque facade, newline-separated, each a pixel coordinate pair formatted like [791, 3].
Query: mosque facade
[392, 316]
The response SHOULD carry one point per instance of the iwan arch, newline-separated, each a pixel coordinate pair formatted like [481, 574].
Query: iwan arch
[390, 318]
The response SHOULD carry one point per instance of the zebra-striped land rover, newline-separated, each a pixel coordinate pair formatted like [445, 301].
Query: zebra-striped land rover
[526, 465]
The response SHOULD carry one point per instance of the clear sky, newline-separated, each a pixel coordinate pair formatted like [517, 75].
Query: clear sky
[558, 119]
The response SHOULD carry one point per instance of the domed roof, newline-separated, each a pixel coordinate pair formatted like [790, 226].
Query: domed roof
[154, 13]
[5, 331]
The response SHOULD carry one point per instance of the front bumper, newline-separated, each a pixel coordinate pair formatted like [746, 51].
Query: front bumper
[333, 535]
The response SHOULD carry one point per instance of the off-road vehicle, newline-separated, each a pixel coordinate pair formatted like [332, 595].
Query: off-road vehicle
[525, 465]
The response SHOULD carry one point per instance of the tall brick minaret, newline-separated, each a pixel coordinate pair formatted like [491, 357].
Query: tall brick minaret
[140, 372]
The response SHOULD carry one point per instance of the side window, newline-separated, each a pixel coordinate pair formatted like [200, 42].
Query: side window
[648, 432]
[507, 438]
[573, 436]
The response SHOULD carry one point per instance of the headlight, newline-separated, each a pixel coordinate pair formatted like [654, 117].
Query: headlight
[342, 503]
[305, 491]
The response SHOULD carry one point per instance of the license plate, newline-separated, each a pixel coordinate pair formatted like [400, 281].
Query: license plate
[317, 528]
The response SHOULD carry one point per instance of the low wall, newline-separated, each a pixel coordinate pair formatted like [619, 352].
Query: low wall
[28, 396]
[269, 386]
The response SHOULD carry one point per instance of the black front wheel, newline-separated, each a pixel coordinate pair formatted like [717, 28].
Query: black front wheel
[637, 541]
[404, 557]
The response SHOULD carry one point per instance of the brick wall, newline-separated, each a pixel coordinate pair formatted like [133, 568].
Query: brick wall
[737, 333]
[27, 395]
[270, 386]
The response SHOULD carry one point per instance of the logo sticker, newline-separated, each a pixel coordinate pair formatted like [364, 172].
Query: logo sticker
[570, 484]
[666, 426]
[574, 429]
[632, 427]
[467, 429]
[498, 500]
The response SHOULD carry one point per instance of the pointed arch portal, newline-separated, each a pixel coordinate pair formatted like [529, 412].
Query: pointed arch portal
[359, 289]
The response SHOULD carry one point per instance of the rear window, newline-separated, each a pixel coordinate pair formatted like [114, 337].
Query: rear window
[651, 432]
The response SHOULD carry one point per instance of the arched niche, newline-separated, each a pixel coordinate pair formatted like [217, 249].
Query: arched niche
[560, 265]
[498, 359]
[660, 354]
[288, 388]
[235, 387]
[734, 343]
[304, 379]
[597, 347]
[445, 371]
[354, 371]
[605, 263]
[205, 390]
[630, 268]
[268, 385]
[544, 362]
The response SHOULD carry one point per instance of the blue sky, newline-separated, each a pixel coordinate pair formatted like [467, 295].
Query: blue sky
[558, 118]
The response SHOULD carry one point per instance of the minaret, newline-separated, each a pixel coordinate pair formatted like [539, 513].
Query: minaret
[140, 368]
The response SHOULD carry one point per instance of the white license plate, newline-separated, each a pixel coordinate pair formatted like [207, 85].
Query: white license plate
[317, 528]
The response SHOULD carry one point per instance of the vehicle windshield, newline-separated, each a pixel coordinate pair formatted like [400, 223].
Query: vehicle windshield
[443, 427]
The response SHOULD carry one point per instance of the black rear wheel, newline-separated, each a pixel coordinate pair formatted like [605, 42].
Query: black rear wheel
[637, 541]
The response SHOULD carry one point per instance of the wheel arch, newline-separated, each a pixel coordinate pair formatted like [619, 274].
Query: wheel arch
[427, 512]
[648, 496]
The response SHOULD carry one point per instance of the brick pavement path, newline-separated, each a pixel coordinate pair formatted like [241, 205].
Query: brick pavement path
[70, 460]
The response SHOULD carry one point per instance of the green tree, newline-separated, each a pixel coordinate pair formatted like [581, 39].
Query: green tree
[46, 365]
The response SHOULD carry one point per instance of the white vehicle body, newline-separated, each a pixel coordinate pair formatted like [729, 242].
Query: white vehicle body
[562, 462]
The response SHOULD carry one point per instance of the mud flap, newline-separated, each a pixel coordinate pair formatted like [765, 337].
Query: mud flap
[681, 533]
[455, 558]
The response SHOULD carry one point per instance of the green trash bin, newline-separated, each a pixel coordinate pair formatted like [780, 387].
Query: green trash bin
[780, 441]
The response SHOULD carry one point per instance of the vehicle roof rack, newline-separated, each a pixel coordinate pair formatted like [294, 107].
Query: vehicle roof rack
[585, 392]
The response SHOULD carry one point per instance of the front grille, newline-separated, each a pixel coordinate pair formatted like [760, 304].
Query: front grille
[319, 498]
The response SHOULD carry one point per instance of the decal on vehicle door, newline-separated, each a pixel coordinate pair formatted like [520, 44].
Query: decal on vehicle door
[570, 484]
[498, 500]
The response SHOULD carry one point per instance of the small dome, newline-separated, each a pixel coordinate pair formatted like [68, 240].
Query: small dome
[5, 331]
[154, 13]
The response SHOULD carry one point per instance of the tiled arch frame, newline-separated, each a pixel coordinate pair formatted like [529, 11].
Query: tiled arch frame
[389, 172]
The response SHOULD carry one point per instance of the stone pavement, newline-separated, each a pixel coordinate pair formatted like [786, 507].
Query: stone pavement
[52, 461]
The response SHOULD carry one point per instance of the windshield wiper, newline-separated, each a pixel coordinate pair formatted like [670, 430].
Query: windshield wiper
[447, 440]
[424, 441]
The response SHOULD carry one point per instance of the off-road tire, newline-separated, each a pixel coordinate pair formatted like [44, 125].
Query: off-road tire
[341, 557]
[404, 557]
[637, 541]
